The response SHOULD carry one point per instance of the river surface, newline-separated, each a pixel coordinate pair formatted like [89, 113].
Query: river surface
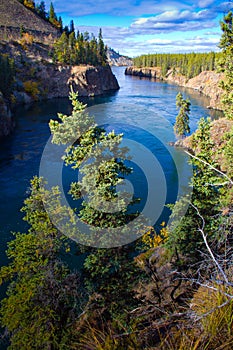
[144, 110]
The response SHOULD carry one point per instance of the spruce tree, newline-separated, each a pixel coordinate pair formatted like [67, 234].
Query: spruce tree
[42, 299]
[110, 272]
[226, 64]
[101, 49]
[181, 126]
[41, 10]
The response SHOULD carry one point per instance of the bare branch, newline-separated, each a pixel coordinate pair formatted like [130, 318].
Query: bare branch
[211, 166]
[208, 247]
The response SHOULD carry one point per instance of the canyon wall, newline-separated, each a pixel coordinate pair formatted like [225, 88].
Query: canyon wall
[206, 83]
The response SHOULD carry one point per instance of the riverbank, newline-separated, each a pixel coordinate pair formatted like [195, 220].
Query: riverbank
[51, 81]
[37, 78]
[206, 83]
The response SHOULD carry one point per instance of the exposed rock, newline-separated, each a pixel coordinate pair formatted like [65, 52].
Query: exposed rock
[51, 80]
[14, 15]
[87, 80]
[218, 129]
[185, 143]
[206, 82]
[115, 59]
[148, 72]
[6, 122]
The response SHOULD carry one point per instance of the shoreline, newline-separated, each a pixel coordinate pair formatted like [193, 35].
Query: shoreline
[206, 83]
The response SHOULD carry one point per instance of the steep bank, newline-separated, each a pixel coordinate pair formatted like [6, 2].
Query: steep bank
[6, 121]
[14, 16]
[87, 80]
[218, 131]
[38, 78]
[206, 82]
[116, 59]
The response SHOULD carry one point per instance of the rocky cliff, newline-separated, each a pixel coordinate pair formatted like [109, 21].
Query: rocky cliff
[115, 59]
[147, 72]
[87, 80]
[218, 130]
[6, 121]
[37, 78]
[206, 82]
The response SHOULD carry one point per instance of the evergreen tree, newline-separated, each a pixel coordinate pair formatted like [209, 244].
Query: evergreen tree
[181, 126]
[102, 50]
[226, 64]
[72, 29]
[61, 49]
[41, 10]
[53, 17]
[184, 236]
[43, 296]
[108, 227]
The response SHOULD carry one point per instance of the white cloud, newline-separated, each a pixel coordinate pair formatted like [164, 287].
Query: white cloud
[117, 8]
[128, 42]
[168, 19]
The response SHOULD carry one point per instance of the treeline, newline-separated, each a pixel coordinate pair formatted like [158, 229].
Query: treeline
[71, 48]
[188, 64]
[82, 48]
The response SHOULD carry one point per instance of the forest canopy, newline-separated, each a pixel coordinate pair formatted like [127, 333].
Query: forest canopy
[188, 64]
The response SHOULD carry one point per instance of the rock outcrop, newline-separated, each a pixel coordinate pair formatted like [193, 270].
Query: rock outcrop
[87, 80]
[14, 16]
[147, 72]
[38, 78]
[206, 82]
[218, 129]
[6, 122]
[115, 59]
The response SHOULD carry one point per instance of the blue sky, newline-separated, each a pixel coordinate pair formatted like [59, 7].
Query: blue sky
[135, 27]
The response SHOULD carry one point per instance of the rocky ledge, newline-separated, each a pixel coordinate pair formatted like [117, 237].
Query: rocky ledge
[87, 80]
[218, 129]
[55, 81]
[206, 82]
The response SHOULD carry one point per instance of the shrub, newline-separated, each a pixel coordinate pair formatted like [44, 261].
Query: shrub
[31, 87]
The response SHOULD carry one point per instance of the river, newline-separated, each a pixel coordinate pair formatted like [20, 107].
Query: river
[144, 110]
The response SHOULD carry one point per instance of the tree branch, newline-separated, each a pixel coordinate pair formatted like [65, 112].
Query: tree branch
[211, 166]
[208, 247]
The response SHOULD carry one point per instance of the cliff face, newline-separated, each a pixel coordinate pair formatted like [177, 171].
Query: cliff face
[37, 78]
[206, 82]
[148, 72]
[87, 80]
[6, 122]
[218, 129]
[115, 59]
